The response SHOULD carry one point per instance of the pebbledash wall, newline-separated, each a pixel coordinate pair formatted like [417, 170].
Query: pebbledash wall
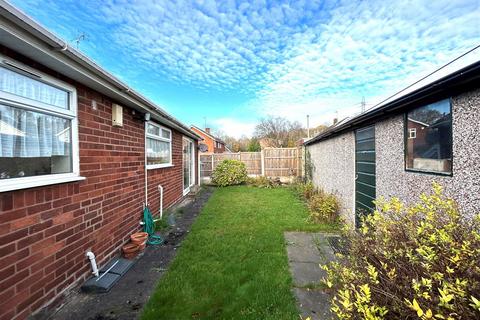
[333, 160]
[463, 185]
[333, 169]
[45, 231]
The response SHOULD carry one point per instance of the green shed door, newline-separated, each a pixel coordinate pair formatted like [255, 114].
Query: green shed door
[364, 172]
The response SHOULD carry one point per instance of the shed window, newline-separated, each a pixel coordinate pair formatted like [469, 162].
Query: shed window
[429, 138]
[159, 146]
[38, 129]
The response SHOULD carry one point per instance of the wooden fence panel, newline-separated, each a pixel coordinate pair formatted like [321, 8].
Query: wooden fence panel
[206, 165]
[281, 162]
[277, 162]
[253, 162]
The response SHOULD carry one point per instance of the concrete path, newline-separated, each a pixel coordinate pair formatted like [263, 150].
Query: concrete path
[306, 252]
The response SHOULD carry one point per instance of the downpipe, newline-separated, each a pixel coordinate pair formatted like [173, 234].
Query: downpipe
[91, 257]
[160, 190]
[160, 210]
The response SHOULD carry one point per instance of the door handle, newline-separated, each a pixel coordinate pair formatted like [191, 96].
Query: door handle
[356, 176]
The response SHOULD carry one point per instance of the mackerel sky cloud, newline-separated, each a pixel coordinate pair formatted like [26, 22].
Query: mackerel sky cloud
[232, 62]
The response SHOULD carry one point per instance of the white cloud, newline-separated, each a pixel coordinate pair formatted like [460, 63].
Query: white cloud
[233, 127]
[295, 57]
[368, 49]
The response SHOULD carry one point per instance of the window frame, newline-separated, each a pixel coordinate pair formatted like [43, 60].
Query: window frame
[410, 135]
[405, 141]
[158, 138]
[71, 114]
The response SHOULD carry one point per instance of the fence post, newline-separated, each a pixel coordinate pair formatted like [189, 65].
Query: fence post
[262, 157]
[212, 167]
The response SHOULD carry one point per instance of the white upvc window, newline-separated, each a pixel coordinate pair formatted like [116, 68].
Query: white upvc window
[158, 146]
[412, 133]
[38, 128]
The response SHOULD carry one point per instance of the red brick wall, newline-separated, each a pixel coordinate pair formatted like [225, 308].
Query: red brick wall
[219, 150]
[46, 231]
[209, 142]
[171, 178]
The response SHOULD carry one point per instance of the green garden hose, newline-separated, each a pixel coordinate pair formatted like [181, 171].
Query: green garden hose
[149, 227]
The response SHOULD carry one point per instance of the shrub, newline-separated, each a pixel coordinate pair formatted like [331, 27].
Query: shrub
[229, 172]
[324, 207]
[264, 182]
[305, 190]
[417, 262]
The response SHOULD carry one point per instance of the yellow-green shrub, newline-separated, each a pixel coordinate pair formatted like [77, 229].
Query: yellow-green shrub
[305, 190]
[229, 172]
[324, 207]
[417, 262]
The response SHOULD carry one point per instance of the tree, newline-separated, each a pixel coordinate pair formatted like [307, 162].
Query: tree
[254, 145]
[279, 132]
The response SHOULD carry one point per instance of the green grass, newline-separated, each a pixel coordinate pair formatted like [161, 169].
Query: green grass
[233, 264]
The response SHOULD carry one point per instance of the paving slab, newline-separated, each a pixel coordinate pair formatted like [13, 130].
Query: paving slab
[301, 248]
[306, 252]
[306, 273]
[313, 303]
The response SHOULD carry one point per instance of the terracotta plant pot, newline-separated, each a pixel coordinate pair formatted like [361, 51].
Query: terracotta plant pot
[130, 250]
[142, 245]
[139, 237]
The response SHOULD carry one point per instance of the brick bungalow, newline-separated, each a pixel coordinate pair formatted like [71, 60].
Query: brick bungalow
[214, 144]
[80, 154]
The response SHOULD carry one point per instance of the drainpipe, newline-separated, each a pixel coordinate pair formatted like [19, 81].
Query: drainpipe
[91, 257]
[146, 180]
[160, 189]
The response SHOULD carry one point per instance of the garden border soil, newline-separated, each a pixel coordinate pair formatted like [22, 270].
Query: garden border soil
[127, 298]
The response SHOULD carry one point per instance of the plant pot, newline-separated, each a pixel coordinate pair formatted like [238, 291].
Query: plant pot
[142, 246]
[130, 250]
[130, 256]
[139, 237]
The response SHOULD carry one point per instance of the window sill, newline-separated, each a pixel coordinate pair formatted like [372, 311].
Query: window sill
[31, 182]
[427, 172]
[159, 166]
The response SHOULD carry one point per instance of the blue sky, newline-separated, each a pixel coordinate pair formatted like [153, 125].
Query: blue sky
[234, 62]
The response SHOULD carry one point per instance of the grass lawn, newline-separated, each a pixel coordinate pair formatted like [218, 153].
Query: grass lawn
[233, 264]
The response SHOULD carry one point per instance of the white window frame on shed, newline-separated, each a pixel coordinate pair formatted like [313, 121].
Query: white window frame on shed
[158, 137]
[25, 103]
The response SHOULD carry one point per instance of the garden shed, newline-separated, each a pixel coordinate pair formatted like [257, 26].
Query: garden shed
[401, 147]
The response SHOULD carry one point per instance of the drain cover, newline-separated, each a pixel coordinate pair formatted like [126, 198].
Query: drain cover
[338, 244]
[109, 275]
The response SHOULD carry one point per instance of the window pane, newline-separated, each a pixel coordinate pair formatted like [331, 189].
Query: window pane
[24, 86]
[154, 130]
[158, 152]
[32, 143]
[166, 134]
[429, 140]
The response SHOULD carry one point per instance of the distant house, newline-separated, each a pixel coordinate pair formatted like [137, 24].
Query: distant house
[81, 153]
[400, 148]
[214, 144]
